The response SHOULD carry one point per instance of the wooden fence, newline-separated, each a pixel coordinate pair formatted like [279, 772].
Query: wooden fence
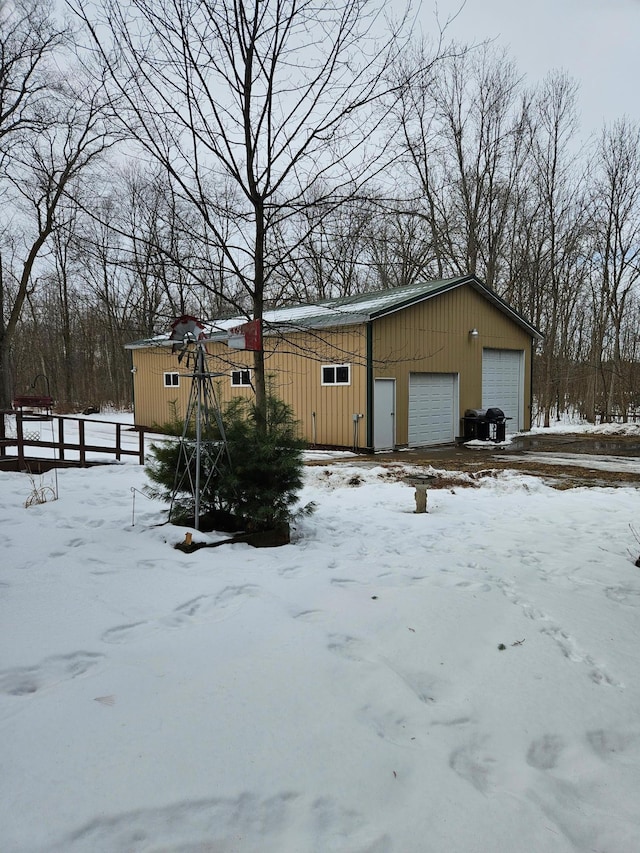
[68, 443]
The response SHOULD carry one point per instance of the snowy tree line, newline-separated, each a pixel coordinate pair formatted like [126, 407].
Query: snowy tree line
[209, 160]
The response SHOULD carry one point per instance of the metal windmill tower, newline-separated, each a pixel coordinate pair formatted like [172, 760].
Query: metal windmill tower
[199, 457]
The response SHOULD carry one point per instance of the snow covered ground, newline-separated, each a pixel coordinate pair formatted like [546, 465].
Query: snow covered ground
[458, 681]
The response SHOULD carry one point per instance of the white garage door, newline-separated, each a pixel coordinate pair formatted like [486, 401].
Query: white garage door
[503, 382]
[433, 405]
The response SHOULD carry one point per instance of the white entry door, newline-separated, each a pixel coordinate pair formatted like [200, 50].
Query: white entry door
[384, 418]
[433, 408]
[503, 384]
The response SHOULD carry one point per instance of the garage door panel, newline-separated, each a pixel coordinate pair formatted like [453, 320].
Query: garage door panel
[432, 408]
[502, 383]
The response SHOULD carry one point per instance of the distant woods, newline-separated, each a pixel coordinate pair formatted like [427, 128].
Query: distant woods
[233, 167]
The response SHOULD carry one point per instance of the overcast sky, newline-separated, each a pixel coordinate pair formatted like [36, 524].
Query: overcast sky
[596, 41]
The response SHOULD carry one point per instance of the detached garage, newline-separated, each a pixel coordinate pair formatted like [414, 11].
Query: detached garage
[392, 368]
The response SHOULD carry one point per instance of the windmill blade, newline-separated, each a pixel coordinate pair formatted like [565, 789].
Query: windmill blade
[187, 328]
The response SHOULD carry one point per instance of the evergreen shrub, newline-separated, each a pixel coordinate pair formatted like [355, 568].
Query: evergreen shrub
[255, 486]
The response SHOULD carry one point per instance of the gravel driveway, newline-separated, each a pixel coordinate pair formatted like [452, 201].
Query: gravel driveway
[564, 460]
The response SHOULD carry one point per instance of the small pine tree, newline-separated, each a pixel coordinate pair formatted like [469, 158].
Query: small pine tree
[264, 475]
[166, 469]
[256, 487]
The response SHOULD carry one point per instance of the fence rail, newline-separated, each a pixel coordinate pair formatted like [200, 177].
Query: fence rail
[68, 443]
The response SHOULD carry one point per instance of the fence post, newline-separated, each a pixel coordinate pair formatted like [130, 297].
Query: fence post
[20, 439]
[83, 449]
[118, 431]
[141, 450]
[60, 421]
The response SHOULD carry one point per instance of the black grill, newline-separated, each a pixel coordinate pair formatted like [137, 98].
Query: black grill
[495, 414]
[485, 424]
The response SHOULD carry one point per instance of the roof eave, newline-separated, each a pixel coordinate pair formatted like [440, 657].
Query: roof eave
[149, 342]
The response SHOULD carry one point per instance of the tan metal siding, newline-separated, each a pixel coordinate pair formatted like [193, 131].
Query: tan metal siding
[154, 404]
[293, 366]
[433, 337]
[324, 412]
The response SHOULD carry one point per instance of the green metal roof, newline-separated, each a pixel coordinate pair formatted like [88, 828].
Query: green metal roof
[354, 310]
[380, 301]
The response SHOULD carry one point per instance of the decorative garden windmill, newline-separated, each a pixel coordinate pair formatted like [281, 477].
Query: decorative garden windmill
[198, 461]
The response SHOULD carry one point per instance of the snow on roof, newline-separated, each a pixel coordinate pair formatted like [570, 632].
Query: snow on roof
[378, 301]
[349, 310]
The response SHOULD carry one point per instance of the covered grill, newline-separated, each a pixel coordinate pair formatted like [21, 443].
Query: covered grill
[485, 424]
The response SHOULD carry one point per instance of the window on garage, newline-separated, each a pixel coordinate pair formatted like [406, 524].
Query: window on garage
[240, 378]
[336, 374]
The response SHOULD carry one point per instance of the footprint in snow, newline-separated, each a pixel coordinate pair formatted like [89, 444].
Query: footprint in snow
[623, 595]
[472, 764]
[473, 586]
[127, 633]
[214, 608]
[309, 615]
[263, 823]
[610, 743]
[24, 680]
[454, 721]
[346, 646]
[544, 752]
[572, 652]
[390, 726]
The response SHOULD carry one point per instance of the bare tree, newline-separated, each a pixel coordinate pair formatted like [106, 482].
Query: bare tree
[399, 245]
[52, 132]
[556, 209]
[28, 39]
[278, 97]
[464, 140]
[329, 255]
[615, 221]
